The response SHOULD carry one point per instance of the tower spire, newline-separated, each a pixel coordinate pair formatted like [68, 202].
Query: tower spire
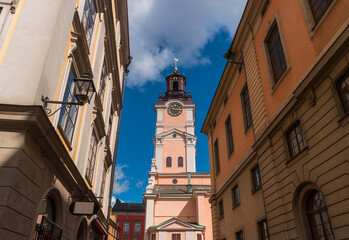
[176, 60]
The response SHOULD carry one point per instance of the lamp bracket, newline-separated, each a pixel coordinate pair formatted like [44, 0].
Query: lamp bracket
[48, 111]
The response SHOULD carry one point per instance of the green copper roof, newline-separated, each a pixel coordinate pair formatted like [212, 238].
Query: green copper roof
[170, 220]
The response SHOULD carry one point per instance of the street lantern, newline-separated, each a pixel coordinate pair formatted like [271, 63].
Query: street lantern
[83, 93]
[84, 89]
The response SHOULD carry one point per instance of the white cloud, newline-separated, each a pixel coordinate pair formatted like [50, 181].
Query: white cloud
[121, 184]
[163, 29]
[139, 184]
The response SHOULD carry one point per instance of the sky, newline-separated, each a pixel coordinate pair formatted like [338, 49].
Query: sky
[198, 33]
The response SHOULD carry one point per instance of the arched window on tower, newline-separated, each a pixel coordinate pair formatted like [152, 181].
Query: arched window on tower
[319, 220]
[168, 162]
[175, 86]
[180, 161]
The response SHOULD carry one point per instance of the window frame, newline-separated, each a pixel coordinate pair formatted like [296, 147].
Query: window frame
[229, 135]
[216, 156]
[236, 198]
[263, 232]
[153, 236]
[91, 164]
[255, 177]
[246, 106]
[103, 181]
[239, 235]
[169, 162]
[134, 226]
[178, 161]
[289, 131]
[129, 226]
[198, 236]
[103, 81]
[341, 77]
[85, 25]
[174, 236]
[221, 209]
[272, 82]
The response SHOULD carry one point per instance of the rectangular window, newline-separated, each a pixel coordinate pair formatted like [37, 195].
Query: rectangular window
[221, 208]
[318, 8]
[137, 227]
[126, 226]
[295, 139]
[180, 161]
[199, 236]
[153, 237]
[124, 238]
[102, 83]
[91, 159]
[110, 124]
[257, 183]
[229, 135]
[176, 236]
[239, 235]
[263, 230]
[236, 196]
[104, 174]
[69, 113]
[0, 10]
[136, 238]
[246, 107]
[276, 53]
[88, 19]
[216, 156]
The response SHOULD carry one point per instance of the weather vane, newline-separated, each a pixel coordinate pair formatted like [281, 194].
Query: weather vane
[176, 60]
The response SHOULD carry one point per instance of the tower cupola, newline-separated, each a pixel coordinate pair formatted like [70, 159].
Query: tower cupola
[175, 88]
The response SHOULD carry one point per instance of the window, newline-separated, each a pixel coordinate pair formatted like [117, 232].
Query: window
[153, 237]
[68, 114]
[246, 107]
[276, 53]
[199, 236]
[221, 208]
[176, 236]
[88, 19]
[102, 84]
[236, 196]
[319, 220]
[136, 238]
[91, 157]
[126, 227]
[229, 135]
[137, 227]
[168, 162]
[124, 238]
[175, 86]
[110, 126]
[343, 91]
[101, 192]
[180, 162]
[257, 183]
[216, 156]
[295, 139]
[0, 10]
[318, 8]
[239, 235]
[263, 230]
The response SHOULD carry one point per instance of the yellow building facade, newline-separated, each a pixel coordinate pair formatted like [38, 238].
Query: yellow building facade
[54, 154]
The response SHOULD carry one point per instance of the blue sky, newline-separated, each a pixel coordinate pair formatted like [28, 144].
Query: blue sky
[198, 33]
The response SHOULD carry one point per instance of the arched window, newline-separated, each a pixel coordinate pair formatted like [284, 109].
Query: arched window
[180, 162]
[343, 91]
[175, 86]
[168, 162]
[319, 220]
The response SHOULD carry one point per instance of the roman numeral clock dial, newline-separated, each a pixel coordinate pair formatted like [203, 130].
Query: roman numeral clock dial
[174, 109]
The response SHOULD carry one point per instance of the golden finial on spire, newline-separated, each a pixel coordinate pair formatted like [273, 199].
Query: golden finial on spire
[176, 60]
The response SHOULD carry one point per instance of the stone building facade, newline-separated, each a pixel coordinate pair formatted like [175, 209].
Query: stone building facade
[278, 127]
[51, 156]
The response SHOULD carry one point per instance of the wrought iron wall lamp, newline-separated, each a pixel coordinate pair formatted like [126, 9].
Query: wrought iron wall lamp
[83, 93]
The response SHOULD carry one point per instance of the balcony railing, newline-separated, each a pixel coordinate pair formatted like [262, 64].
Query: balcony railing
[47, 230]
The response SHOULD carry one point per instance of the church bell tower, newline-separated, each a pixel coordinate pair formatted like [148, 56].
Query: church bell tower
[174, 140]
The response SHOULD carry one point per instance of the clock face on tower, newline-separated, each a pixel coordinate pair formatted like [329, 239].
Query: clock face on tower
[174, 109]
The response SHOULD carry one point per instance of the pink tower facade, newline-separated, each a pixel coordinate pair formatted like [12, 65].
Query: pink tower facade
[177, 197]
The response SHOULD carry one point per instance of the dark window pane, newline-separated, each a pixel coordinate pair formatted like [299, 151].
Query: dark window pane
[256, 177]
[263, 230]
[236, 196]
[216, 156]
[276, 53]
[221, 208]
[318, 8]
[295, 140]
[91, 158]
[343, 91]
[168, 162]
[319, 220]
[180, 162]
[229, 135]
[247, 107]
[239, 235]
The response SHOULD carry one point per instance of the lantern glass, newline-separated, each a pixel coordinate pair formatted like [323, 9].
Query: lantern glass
[84, 89]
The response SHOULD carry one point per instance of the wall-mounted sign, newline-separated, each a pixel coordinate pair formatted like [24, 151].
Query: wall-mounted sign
[83, 208]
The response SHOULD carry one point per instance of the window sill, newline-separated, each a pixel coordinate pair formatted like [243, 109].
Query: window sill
[221, 217]
[64, 137]
[344, 119]
[295, 158]
[255, 189]
[236, 205]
